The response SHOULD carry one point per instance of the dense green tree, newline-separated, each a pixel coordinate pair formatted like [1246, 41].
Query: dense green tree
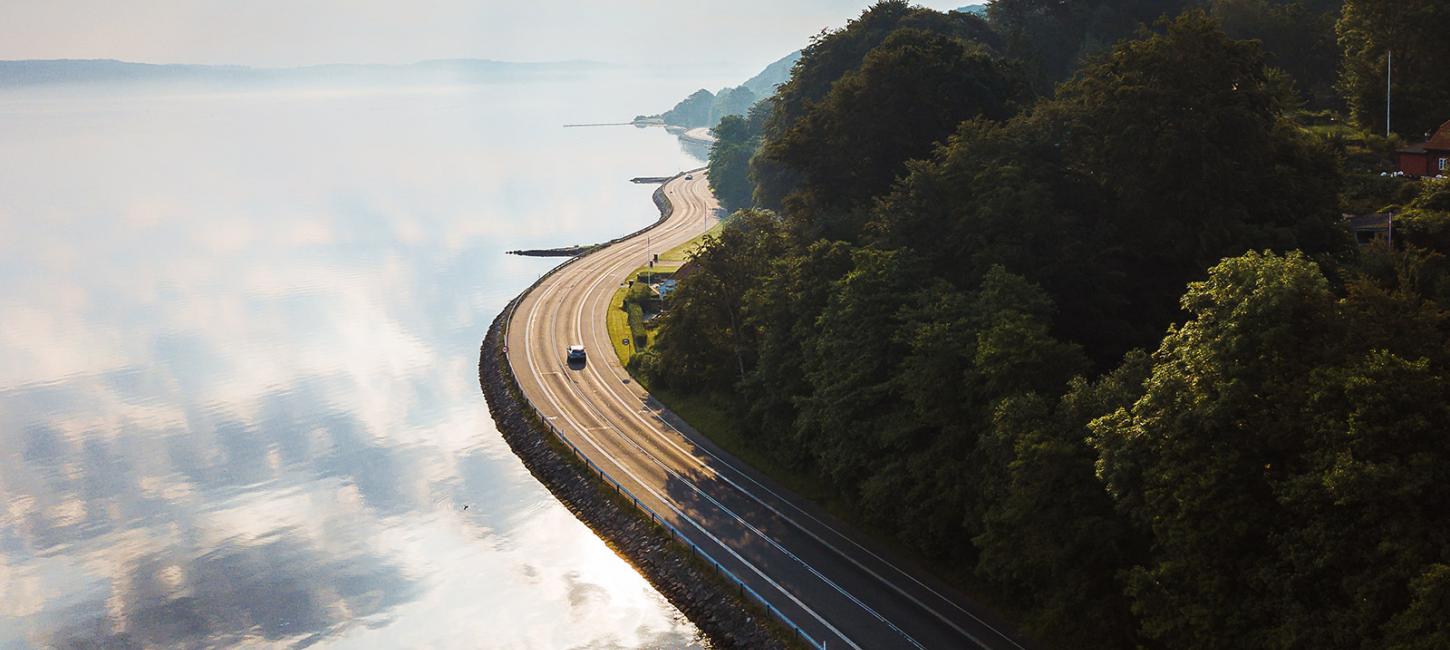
[1297, 35]
[1192, 460]
[704, 338]
[901, 381]
[1362, 524]
[1415, 31]
[1151, 165]
[1428, 229]
[737, 139]
[1051, 539]
[965, 354]
[833, 54]
[849, 364]
[1421, 237]
[729, 164]
[1184, 129]
[784, 308]
[1425, 624]
[1054, 37]
[909, 93]
[693, 111]
[999, 196]
[728, 102]
[1284, 457]
[937, 328]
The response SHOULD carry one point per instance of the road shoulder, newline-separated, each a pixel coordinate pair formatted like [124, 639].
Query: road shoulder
[709, 602]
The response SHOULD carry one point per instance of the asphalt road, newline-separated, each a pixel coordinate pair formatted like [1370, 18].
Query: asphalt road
[824, 577]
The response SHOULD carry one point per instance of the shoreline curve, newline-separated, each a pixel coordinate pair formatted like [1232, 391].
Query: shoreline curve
[722, 615]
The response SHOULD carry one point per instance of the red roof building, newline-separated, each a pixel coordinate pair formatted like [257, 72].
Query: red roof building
[1430, 158]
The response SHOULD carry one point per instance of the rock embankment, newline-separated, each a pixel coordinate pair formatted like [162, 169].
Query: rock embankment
[708, 601]
[661, 202]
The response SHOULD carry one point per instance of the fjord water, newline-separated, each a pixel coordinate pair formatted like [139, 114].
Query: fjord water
[239, 337]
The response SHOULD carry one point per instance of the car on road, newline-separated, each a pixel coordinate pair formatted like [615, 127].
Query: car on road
[575, 353]
[689, 177]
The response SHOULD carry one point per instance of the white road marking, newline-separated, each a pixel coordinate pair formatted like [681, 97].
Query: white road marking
[549, 394]
[715, 473]
[578, 332]
[660, 435]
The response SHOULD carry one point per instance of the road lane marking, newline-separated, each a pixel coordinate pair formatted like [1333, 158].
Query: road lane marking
[606, 265]
[578, 332]
[714, 472]
[549, 394]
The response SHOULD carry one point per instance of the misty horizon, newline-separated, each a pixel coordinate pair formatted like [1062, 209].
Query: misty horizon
[327, 64]
[275, 35]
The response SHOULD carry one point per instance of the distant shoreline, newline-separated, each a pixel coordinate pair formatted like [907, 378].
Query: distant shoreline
[59, 72]
[721, 614]
[700, 135]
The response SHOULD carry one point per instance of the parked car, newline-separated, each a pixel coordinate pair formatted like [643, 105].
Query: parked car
[575, 353]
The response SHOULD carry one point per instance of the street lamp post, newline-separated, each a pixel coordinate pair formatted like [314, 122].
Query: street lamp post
[1389, 76]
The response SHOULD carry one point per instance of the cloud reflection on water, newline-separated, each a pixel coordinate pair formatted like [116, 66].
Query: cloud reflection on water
[238, 395]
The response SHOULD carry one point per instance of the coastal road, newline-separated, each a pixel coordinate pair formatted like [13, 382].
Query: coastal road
[828, 580]
[699, 134]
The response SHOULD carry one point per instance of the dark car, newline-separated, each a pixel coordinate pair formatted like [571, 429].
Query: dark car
[575, 353]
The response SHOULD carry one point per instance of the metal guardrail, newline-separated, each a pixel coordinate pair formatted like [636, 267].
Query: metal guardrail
[677, 535]
[609, 480]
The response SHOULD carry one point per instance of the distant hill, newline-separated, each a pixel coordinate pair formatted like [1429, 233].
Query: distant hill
[978, 10]
[85, 71]
[775, 74]
[40, 72]
[704, 108]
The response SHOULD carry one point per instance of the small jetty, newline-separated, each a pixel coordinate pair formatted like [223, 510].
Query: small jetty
[563, 251]
[650, 180]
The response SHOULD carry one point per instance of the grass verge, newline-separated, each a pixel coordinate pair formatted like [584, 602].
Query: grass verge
[709, 415]
[617, 324]
[681, 253]
[616, 321]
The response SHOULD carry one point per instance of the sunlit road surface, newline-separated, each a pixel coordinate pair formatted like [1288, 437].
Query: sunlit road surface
[826, 580]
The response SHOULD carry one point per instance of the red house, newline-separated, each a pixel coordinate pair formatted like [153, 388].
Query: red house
[1430, 158]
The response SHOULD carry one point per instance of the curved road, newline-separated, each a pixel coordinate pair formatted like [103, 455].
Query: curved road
[809, 566]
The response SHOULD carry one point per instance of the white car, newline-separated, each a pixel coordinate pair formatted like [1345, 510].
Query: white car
[575, 353]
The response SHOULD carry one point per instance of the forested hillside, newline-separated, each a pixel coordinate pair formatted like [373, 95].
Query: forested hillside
[1062, 299]
[704, 108]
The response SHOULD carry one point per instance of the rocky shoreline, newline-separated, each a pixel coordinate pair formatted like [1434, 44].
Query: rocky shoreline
[722, 614]
[664, 205]
[694, 589]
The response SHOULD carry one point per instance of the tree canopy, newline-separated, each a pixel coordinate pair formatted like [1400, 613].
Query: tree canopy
[1414, 30]
[1287, 461]
[1065, 304]
[909, 93]
[1054, 37]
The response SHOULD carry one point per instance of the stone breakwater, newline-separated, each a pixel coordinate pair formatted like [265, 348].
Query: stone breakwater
[661, 201]
[563, 251]
[710, 603]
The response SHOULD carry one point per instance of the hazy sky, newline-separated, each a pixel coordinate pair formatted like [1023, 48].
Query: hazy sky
[300, 32]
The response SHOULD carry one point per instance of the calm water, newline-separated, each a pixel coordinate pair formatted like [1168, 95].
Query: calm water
[238, 364]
